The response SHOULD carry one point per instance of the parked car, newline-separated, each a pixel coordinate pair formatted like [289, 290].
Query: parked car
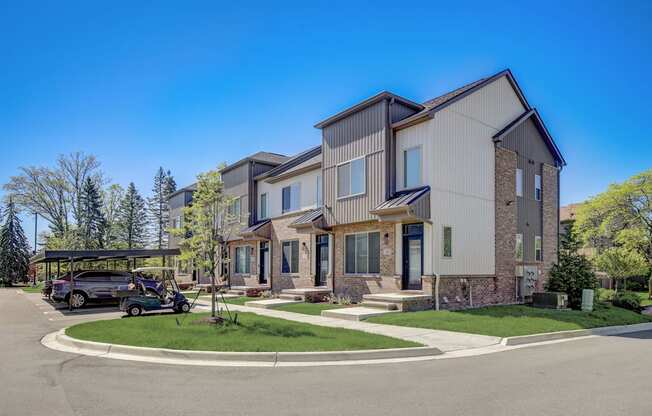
[99, 286]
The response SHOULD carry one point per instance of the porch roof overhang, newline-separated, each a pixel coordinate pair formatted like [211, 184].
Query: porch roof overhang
[408, 205]
[259, 231]
[312, 222]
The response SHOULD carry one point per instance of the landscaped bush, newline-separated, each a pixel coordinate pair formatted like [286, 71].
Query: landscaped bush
[627, 300]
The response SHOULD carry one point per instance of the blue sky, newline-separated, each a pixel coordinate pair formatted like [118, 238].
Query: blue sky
[186, 85]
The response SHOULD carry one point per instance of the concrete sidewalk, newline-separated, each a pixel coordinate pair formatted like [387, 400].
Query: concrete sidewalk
[444, 340]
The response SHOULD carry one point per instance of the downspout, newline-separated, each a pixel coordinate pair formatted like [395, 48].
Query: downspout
[436, 291]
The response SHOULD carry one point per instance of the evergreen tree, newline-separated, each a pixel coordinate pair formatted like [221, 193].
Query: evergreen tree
[92, 223]
[158, 208]
[572, 273]
[132, 219]
[14, 249]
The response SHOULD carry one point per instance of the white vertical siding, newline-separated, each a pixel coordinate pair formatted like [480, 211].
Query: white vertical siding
[308, 192]
[458, 164]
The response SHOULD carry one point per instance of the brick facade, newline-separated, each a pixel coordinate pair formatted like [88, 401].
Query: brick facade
[355, 286]
[250, 279]
[550, 238]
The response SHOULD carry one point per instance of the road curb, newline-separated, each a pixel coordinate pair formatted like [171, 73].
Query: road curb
[60, 341]
[554, 336]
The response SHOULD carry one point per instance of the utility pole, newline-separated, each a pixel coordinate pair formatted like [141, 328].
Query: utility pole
[35, 235]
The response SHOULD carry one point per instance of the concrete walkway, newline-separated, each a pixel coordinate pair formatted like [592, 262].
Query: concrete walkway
[444, 340]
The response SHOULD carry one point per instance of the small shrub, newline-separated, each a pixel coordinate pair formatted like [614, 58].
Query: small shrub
[627, 300]
[266, 294]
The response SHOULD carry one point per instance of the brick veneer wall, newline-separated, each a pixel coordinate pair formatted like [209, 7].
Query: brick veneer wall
[506, 226]
[355, 286]
[550, 185]
[281, 232]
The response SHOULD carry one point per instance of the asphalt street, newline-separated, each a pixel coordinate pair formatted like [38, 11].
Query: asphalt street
[594, 376]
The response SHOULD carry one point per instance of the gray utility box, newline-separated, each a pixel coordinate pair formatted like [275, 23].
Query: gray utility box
[550, 300]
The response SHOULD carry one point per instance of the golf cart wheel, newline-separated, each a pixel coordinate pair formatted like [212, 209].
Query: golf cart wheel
[78, 300]
[135, 310]
[185, 308]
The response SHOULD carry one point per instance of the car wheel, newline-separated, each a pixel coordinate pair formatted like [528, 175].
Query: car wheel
[78, 300]
[185, 308]
[135, 310]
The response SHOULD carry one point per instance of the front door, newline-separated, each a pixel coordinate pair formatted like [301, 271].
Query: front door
[263, 275]
[321, 260]
[412, 256]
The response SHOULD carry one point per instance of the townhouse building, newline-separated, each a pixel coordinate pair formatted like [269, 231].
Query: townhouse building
[453, 201]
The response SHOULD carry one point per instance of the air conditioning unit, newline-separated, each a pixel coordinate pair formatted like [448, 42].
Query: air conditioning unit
[550, 300]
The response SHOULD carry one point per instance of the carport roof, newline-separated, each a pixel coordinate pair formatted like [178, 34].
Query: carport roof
[47, 256]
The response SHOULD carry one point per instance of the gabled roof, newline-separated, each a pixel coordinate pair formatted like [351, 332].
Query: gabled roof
[267, 158]
[189, 188]
[366, 103]
[538, 122]
[434, 105]
[308, 158]
[260, 230]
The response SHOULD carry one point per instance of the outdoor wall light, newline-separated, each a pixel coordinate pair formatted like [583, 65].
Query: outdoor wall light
[386, 237]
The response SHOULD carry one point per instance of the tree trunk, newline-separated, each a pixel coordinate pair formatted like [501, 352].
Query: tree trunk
[213, 303]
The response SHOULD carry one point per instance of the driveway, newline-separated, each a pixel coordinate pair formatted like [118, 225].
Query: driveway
[595, 376]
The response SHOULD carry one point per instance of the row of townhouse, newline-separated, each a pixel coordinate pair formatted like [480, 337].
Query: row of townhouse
[455, 198]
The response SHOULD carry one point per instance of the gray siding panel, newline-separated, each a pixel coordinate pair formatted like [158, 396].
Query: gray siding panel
[399, 111]
[360, 134]
[237, 183]
[532, 153]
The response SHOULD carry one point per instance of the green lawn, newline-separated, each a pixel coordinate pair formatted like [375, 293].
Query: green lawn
[507, 321]
[33, 289]
[308, 308]
[254, 333]
[645, 296]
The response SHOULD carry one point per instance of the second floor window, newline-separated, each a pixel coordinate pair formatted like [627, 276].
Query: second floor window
[412, 167]
[243, 260]
[538, 251]
[519, 182]
[263, 206]
[234, 208]
[351, 178]
[537, 187]
[519, 247]
[291, 197]
[447, 243]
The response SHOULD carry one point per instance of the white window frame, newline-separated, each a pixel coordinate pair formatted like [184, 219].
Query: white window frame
[264, 215]
[420, 174]
[297, 187]
[291, 273]
[538, 192]
[380, 236]
[247, 264]
[539, 250]
[519, 240]
[364, 175]
[519, 182]
[443, 242]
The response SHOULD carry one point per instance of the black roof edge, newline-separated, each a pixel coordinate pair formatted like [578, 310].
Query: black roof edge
[290, 163]
[505, 72]
[184, 189]
[550, 142]
[366, 103]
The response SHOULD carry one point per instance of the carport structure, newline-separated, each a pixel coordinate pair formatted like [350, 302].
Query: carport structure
[71, 257]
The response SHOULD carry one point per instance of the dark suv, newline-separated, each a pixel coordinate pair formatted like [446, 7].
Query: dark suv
[98, 286]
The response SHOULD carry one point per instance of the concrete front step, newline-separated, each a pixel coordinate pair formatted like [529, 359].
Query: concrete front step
[358, 313]
[389, 306]
[405, 300]
[270, 303]
[247, 290]
[287, 296]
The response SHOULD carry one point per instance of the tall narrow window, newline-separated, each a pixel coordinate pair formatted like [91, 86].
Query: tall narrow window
[519, 247]
[362, 253]
[412, 167]
[243, 260]
[447, 236]
[263, 206]
[538, 254]
[318, 198]
[519, 182]
[351, 178]
[537, 187]
[290, 260]
[234, 208]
